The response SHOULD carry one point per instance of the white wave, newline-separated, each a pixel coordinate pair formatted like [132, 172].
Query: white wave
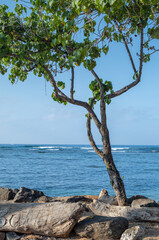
[154, 151]
[91, 151]
[55, 149]
[119, 148]
[66, 147]
[118, 151]
[45, 147]
[86, 148]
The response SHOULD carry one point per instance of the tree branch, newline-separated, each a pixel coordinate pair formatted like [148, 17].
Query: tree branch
[102, 104]
[72, 83]
[126, 46]
[62, 96]
[89, 133]
[59, 94]
[90, 137]
[138, 76]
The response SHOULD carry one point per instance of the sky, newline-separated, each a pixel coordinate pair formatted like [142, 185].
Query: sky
[28, 115]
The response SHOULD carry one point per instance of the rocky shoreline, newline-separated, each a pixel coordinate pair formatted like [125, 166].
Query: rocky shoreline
[27, 214]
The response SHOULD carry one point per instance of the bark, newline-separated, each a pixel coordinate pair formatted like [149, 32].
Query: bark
[115, 179]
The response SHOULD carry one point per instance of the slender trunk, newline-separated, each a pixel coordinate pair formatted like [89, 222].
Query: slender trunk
[114, 174]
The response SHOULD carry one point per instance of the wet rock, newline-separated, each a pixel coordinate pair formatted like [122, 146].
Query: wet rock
[27, 195]
[101, 228]
[133, 233]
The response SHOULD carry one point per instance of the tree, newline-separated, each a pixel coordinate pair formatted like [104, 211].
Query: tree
[49, 37]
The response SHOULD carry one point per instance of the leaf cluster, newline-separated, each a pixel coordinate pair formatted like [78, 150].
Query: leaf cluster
[95, 88]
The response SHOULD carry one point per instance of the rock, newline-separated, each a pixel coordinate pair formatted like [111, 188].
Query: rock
[103, 193]
[147, 202]
[44, 199]
[132, 214]
[27, 195]
[101, 228]
[135, 197]
[6, 194]
[104, 197]
[78, 199]
[54, 219]
[2, 236]
[13, 236]
[150, 238]
[37, 237]
[132, 233]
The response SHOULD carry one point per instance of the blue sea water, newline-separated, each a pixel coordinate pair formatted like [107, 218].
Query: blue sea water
[62, 170]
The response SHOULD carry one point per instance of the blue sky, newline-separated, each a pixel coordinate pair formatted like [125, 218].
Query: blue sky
[29, 115]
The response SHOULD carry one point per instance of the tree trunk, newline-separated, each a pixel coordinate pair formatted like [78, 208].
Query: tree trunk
[114, 174]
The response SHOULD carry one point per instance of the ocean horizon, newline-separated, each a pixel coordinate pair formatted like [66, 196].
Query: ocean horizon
[71, 169]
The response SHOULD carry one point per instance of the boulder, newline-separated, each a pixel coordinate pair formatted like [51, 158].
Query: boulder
[2, 236]
[147, 214]
[145, 202]
[132, 233]
[6, 194]
[135, 197]
[27, 195]
[54, 219]
[101, 228]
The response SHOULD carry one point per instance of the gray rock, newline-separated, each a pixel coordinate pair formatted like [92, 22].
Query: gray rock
[27, 195]
[133, 233]
[138, 214]
[78, 199]
[135, 197]
[101, 228]
[54, 219]
[104, 197]
[147, 202]
[13, 236]
[103, 193]
[2, 235]
[38, 237]
[6, 194]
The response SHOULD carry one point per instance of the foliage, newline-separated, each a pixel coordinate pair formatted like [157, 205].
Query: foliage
[62, 34]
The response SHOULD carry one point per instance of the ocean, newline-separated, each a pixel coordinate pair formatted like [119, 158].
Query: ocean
[65, 170]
